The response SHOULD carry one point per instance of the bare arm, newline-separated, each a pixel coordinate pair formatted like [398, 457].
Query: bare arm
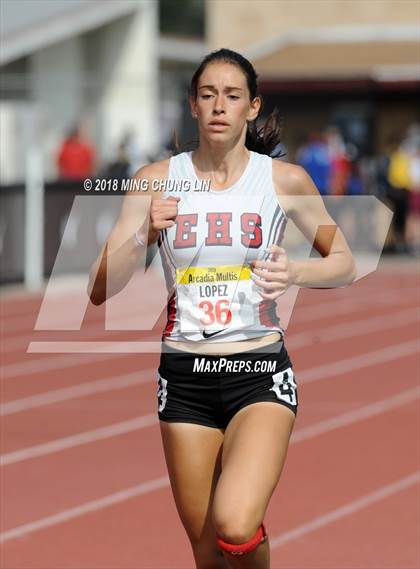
[305, 207]
[121, 253]
[307, 210]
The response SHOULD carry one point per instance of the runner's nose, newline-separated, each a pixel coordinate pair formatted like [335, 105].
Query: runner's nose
[218, 106]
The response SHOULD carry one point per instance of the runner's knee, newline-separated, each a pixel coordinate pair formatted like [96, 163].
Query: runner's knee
[235, 529]
[238, 542]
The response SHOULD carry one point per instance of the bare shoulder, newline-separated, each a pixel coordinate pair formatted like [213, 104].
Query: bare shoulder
[134, 203]
[154, 171]
[292, 180]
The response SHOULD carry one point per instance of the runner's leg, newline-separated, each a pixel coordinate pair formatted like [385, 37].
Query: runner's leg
[254, 453]
[193, 454]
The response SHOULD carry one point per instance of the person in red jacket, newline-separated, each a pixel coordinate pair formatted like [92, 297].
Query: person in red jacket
[76, 157]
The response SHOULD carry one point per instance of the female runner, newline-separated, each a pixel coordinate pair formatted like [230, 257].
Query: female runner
[227, 396]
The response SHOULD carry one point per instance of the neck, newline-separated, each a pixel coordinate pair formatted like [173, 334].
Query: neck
[220, 163]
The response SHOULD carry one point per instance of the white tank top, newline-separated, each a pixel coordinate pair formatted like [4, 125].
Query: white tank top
[206, 255]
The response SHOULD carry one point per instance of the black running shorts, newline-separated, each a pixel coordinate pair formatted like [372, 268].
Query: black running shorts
[209, 390]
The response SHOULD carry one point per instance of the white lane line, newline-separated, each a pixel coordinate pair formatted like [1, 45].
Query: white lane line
[351, 417]
[24, 322]
[21, 323]
[20, 308]
[83, 438]
[95, 347]
[349, 305]
[86, 508]
[76, 391]
[157, 484]
[354, 328]
[135, 378]
[52, 363]
[144, 421]
[319, 373]
[348, 509]
[359, 361]
[317, 303]
[87, 347]
[315, 311]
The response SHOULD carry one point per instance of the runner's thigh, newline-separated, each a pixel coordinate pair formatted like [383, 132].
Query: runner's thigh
[193, 456]
[254, 453]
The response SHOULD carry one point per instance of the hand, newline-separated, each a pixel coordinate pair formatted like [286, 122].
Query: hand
[278, 274]
[162, 215]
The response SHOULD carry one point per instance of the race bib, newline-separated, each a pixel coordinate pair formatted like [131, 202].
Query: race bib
[216, 298]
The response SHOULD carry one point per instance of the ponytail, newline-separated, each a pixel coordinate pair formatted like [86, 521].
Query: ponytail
[266, 139]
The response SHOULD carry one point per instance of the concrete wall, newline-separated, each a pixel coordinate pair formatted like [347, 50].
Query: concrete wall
[363, 59]
[237, 23]
[57, 81]
[127, 66]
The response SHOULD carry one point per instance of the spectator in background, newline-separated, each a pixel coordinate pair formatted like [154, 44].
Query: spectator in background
[315, 159]
[339, 162]
[76, 157]
[412, 148]
[360, 213]
[119, 169]
[380, 170]
[134, 152]
[377, 179]
[355, 186]
[398, 177]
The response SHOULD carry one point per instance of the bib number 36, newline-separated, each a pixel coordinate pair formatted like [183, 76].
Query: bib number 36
[215, 312]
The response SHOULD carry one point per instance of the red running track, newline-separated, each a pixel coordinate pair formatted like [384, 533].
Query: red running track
[83, 479]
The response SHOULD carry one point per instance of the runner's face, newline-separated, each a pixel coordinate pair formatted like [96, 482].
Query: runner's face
[223, 106]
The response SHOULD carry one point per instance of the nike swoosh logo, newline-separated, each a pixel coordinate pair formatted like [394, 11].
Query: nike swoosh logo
[210, 334]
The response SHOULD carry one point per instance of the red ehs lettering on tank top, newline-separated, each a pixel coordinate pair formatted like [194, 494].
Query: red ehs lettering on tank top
[207, 255]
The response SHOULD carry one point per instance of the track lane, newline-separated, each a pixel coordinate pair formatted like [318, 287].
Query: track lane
[98, 409]
[362, 466]
[383, 526]
[53, 462]
[319, 397]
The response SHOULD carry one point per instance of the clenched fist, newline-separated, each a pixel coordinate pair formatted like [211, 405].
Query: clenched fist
[163, 213]
[273, 277]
